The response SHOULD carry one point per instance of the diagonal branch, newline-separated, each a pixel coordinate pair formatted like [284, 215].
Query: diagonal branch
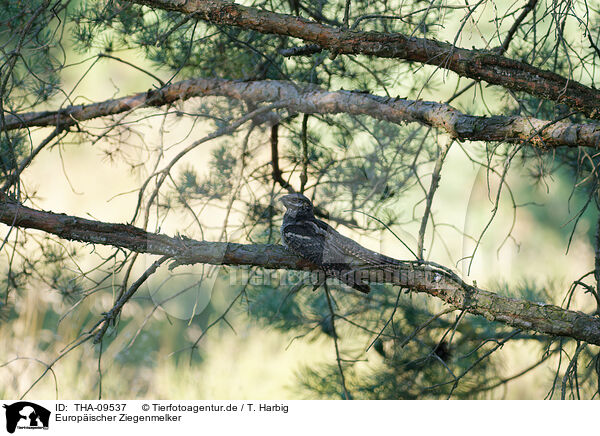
[306, 98]
[513, 29]
[475, 64]
[424, 277]
[111, 315]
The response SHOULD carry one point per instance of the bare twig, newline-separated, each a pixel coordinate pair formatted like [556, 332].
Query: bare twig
[435, 180]
[304, 174]
[571, 369]
[277, 177]
[111, 315]
[335, 342]
[513, 30]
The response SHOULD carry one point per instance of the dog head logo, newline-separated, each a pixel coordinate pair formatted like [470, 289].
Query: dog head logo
[26, 415]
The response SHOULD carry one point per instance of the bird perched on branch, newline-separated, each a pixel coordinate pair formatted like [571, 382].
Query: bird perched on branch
[318, 242]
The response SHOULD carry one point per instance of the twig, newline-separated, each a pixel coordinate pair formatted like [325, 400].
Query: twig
[435, 180]
[304, 174]
[513, 30]
[346, 14]
[123, 61]
[15, 177]
[335, 341]
[111, 315]
[277, 177]
[387, 322]
[425, 324]
[571, 368]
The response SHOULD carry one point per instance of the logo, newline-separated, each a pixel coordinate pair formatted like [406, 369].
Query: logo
[26, 415]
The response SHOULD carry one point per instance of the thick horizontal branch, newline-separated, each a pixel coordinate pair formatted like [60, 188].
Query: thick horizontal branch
[426, 277]
[475, 64]
[310, 99]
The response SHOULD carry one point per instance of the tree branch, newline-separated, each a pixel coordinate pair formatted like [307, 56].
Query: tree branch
[421, 277]
[475, 64]
[277, 177]
[310, 99]
[531, 4]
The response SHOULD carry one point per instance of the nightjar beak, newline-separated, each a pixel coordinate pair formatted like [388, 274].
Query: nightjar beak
[285, 200]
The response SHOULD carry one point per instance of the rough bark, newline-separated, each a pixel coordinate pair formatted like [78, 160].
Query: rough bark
[484, 65]
[310, 99]
[421, 277]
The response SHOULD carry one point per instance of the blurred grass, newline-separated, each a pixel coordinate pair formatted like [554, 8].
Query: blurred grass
[251, 363]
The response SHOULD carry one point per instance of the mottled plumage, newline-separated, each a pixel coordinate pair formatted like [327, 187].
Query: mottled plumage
[321, 244]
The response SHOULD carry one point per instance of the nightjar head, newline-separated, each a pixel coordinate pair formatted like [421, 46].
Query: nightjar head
[297, 205]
